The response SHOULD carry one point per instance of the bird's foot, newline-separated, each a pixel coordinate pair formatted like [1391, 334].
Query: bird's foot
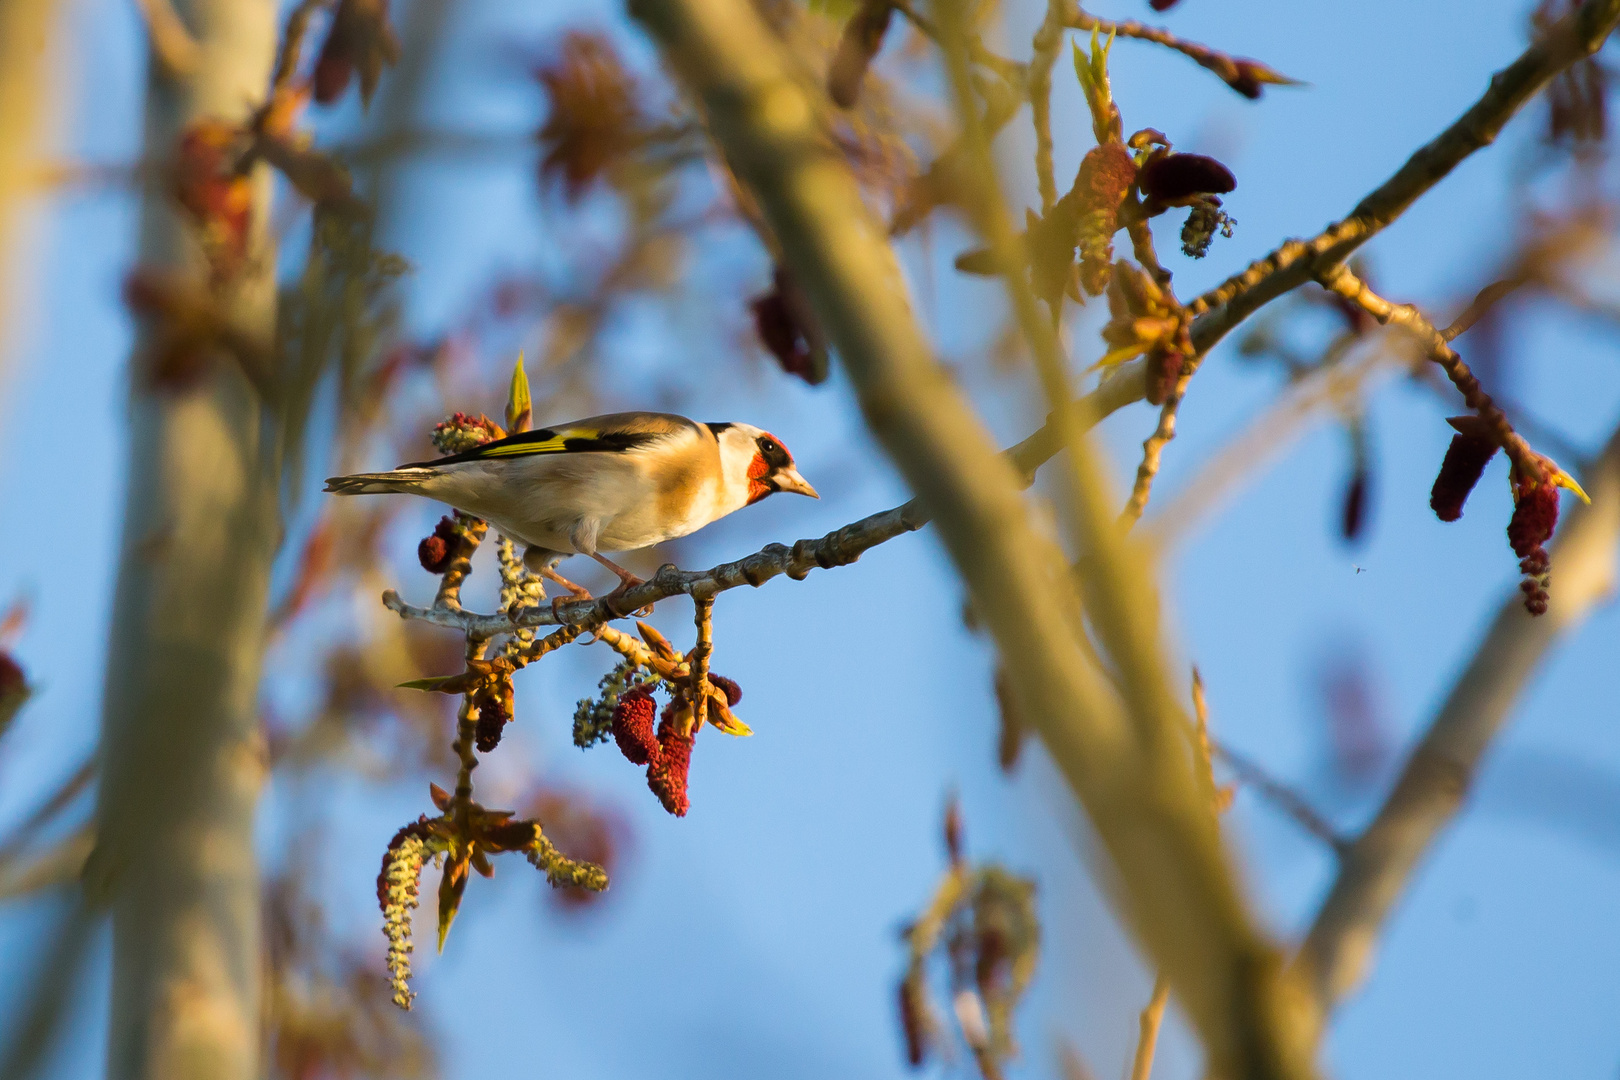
[627, 581]
[575, 592]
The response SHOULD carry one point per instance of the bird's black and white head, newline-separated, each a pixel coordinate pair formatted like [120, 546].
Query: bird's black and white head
[754, 464]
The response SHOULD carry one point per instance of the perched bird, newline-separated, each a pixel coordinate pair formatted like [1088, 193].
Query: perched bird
[607, 483]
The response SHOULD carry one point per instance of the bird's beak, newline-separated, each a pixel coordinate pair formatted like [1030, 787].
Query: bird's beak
[790, 480]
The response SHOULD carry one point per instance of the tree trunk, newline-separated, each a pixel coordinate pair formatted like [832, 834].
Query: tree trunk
[182, 760]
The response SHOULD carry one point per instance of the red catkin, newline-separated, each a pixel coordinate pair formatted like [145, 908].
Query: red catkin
[1534, 518]
[667, 774]
[633, 726]
[493, 700]
[1106, 175]
[1464, 464]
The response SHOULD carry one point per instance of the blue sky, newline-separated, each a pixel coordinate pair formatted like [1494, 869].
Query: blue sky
[757, 937]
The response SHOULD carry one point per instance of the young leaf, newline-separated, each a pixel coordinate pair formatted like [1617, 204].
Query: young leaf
[519, 406]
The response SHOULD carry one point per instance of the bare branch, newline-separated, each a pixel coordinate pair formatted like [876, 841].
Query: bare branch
[1180, 897]
[1375, 870]
[1048, 44]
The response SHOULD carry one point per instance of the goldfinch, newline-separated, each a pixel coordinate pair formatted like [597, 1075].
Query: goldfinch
[607, 483]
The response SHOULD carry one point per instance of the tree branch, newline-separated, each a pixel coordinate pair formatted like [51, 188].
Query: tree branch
[1378, 864]
[1161, 837]
[182, 754]
[1577, 35]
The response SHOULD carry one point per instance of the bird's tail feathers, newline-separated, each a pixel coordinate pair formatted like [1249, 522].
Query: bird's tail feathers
[400, 481]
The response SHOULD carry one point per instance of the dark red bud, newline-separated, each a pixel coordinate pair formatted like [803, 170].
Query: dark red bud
[1173, 177]
[12, 679]
[493, 700]
[782, 334]
[857, 47]
[1354, 515]
[1163, 372]
[733, 691]
[1162, 5]
[1465, 463]
[436, 552]
[487, 733]
[332, 73]
[1247, 81]
[911, 1022]
[980, 262]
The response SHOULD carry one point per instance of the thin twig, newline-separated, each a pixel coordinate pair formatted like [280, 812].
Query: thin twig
[60, 864]
[1341, 281]
[1229, 69]
[472, 530]
[466, 734]
[1153, 447]
[1483, 301]
[63, 797]
[1165, 430]
[1147, 1039]
[1297, 808]
[292, 41]
[698, 659]
[173, 48]
[1047, 45]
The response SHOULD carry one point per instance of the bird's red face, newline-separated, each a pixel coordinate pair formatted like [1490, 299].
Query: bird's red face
[771, 470]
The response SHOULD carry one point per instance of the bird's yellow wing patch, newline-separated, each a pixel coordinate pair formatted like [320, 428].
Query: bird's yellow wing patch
[549, 441]
[569, 440]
